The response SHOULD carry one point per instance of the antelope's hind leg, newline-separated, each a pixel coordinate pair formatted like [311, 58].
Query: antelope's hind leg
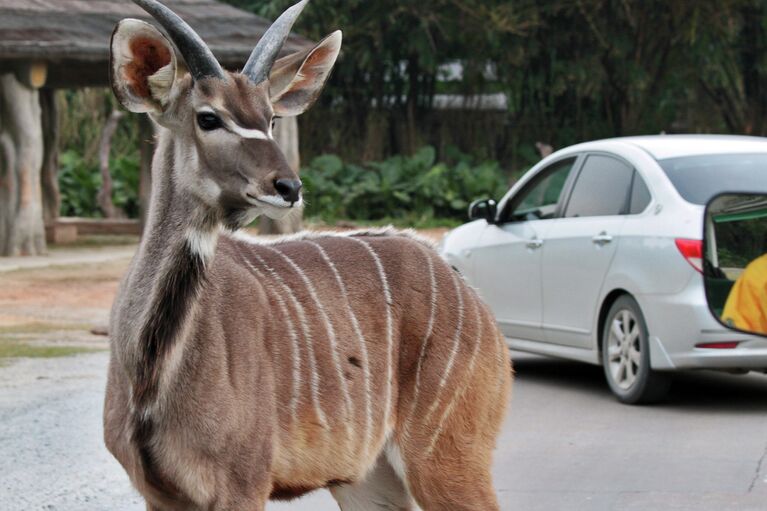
[447, 456]
[456, 474]
[381, 490]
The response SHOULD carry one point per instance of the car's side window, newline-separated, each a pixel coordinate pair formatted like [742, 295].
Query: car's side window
[640, 195]
[540, 199]
[602, 188]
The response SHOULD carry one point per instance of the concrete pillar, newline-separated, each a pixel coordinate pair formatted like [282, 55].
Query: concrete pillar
[22, 230]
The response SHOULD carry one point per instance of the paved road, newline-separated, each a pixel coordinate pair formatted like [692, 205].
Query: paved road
[567, 443]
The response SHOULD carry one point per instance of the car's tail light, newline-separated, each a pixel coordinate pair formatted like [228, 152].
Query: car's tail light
[692, 251]
[718, 345]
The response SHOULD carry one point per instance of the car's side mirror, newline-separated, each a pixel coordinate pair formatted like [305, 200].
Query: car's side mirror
[484, 209]
[735, 261]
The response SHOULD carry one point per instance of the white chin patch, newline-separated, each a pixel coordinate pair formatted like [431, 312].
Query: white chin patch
[276, 213]
[276, 207]
[276, 201]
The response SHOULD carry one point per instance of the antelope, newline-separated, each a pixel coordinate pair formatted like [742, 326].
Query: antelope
[243, 371]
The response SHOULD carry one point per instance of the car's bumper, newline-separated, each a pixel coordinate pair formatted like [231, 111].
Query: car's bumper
[679, 322]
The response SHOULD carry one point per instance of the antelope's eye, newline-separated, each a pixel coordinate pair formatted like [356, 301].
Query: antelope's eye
[209, 121]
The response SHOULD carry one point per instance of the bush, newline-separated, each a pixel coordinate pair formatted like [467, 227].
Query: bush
[79, 183]
[415, 190]
[125, 181]
[83, 115]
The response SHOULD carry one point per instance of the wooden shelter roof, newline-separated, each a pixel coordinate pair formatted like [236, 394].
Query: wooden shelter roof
[72, 36]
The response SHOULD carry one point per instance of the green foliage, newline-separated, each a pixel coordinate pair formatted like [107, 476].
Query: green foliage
[125, 182]
[79, 184]
[80, 180]
[83, 115]
[416, 189]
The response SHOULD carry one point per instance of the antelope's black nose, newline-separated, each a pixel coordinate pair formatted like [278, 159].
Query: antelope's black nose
[289, 189]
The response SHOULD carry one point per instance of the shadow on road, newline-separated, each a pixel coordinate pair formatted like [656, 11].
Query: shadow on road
[710, 391]
[553, 371]
[719, 392]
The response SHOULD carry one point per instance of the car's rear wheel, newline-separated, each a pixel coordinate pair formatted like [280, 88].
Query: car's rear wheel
[626, 355]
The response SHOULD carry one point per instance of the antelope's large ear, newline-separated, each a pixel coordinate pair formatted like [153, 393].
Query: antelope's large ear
[142, 66]
[297, 80]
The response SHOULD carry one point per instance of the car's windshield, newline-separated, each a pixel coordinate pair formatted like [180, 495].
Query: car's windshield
[699, 178]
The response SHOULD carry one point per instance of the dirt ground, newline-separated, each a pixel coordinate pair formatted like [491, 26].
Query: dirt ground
[66, 295]
[49, 312]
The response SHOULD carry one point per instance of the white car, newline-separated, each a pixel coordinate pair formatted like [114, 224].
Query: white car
[595, 255]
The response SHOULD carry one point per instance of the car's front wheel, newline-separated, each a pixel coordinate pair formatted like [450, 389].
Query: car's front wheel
[626, 355]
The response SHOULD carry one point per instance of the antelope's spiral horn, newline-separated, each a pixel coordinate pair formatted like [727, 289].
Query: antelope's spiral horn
[199, 59]
[262, 59]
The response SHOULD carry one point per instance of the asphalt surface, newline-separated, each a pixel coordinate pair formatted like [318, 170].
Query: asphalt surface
[567, 444]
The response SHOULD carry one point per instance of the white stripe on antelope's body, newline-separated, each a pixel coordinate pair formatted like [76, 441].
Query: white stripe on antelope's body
[243, 371]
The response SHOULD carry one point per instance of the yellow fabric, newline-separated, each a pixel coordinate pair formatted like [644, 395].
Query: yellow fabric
[746, 307]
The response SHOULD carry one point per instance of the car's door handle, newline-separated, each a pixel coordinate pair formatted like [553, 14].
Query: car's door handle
[534, 244]
[602, 239]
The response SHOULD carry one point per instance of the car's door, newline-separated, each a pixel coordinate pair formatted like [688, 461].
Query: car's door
[507, 259]
[580, 246]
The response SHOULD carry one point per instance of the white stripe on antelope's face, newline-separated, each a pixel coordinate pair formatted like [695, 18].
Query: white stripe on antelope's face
[210, 119]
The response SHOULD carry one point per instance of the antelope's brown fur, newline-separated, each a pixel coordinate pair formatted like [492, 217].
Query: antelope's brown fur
[242, 371]
[227, 405]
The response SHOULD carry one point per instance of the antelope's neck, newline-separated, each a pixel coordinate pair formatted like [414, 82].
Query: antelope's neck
[167, 275]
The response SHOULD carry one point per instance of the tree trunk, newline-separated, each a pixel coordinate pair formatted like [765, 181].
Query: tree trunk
[50, 170]
[286, 135]
[104, 198]
[146, 151]
[377, 127]
[21, 158]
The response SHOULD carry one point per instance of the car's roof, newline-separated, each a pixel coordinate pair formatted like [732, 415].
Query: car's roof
[662, 147]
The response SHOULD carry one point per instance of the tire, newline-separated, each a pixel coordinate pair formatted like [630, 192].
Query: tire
[626, 355]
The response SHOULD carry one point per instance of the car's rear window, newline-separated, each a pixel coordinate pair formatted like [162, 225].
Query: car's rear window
[699, 178]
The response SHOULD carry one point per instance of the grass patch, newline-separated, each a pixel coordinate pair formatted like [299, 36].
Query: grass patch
[14, 349]
[42, 328]
[100, 240]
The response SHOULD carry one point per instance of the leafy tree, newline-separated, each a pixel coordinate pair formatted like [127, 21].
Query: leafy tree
[571, 70]
[729, 63]
[385, 82]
